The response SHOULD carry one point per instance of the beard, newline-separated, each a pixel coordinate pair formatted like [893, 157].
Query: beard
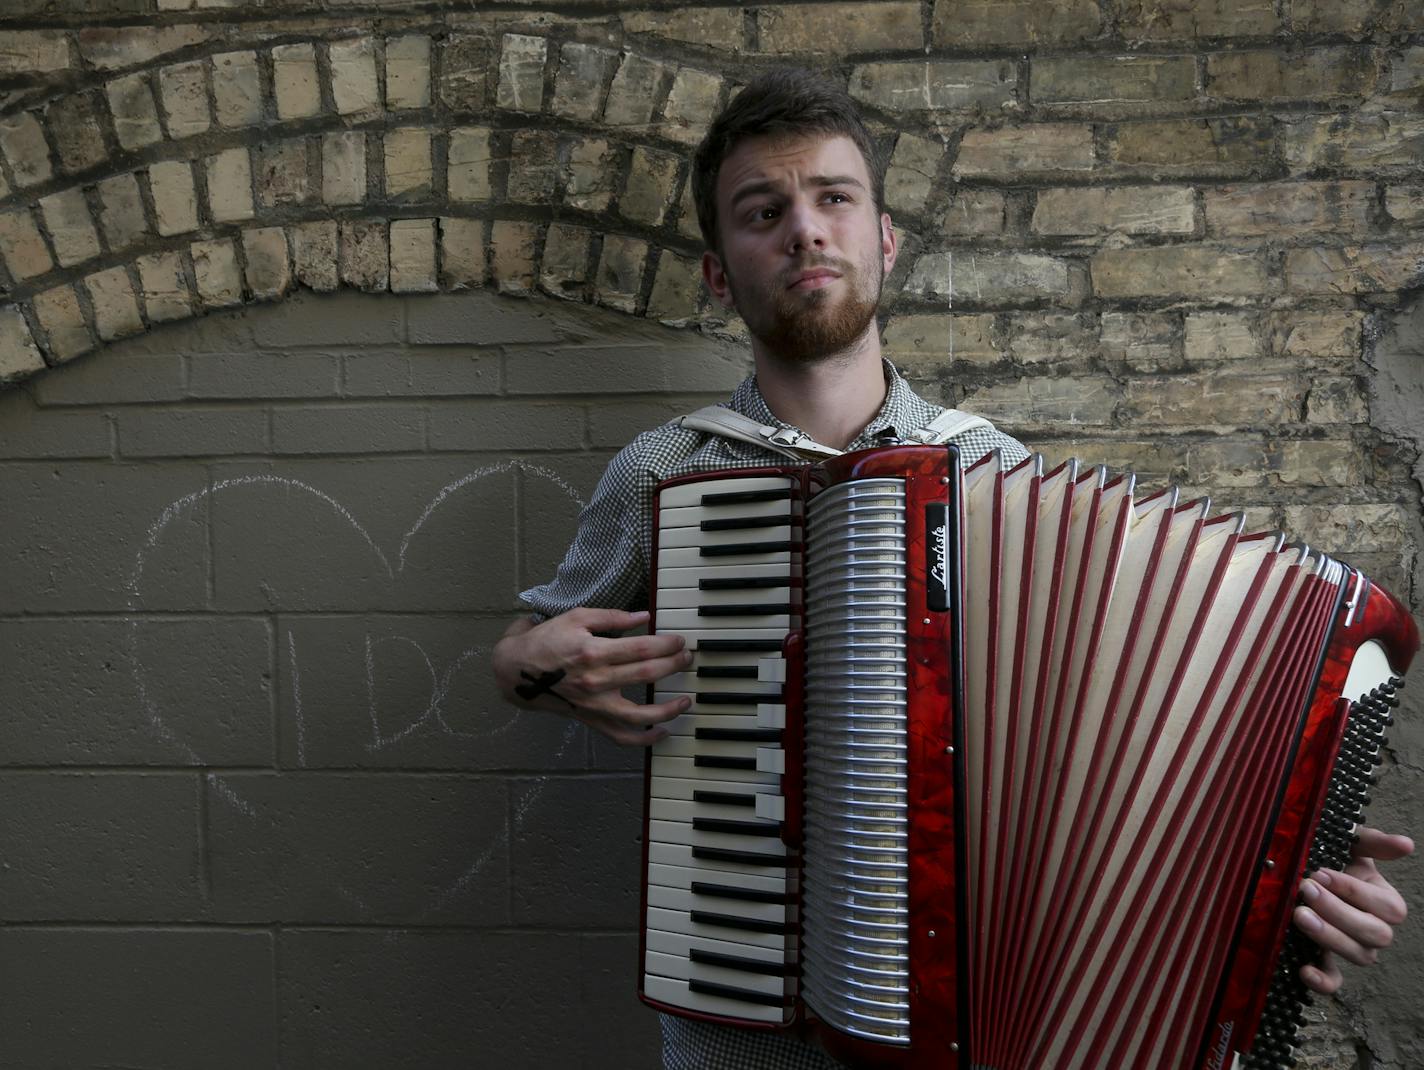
[813, 325]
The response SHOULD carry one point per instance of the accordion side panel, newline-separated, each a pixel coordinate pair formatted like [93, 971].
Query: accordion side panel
[1379, 620]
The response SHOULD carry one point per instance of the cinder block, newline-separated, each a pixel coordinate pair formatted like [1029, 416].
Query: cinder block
[275, 541]
[368, 848]
[366, 428]
[501, 425]
[134, 997]
[617, 370]
[167, 692]
[427, 984]
[116, 847]
[96, 519]
[343, 319]
[262, 375]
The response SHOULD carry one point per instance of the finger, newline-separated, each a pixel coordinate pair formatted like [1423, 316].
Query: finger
[647, 672]
[619, 710]
[1384, 846]
[608, 620]
[630, 648]
[1323, 977]
[1333, 939]
[622, 734]
[1375, 897]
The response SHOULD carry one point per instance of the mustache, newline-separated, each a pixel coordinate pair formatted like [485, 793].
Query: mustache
[811, 263]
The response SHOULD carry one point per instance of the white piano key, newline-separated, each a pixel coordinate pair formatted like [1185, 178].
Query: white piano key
[680, 765]
[687, 747]
[689, 557]
[685, 899]
[665, 787]
[681, 945]
[677, 994]
[680, 921]
[693, 637]
[669, 579]
[672, 538]
[686, 810]
[723, 709]
[685, 494]
[674, 619]
[686, 970]
[680, 854]
[687, 724]
[690, 683]
[693, 515]
[683, 876]
[682, 832]
[693, 598]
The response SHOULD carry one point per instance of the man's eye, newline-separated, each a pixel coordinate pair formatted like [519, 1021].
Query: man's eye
[765, 212]
[837, 198]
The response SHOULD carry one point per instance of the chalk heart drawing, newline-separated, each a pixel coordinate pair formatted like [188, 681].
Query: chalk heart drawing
[387, 728]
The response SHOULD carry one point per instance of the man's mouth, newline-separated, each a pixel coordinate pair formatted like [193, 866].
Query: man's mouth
[813, 279]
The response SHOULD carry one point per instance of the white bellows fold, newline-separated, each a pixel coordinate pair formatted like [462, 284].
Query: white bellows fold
[1129, 714]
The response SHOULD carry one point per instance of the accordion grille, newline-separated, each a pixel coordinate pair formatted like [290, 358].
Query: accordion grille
[855, 946]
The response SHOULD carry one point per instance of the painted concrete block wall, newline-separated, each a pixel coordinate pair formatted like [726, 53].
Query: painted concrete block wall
[266, 495]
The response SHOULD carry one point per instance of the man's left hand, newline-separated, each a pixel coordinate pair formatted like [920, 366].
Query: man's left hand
[1351, 914]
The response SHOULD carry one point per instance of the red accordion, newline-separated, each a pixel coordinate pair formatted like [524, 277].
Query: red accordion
[999, 768]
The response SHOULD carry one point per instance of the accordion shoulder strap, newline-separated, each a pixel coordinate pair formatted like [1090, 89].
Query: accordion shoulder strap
[720, 420]
[948, 425]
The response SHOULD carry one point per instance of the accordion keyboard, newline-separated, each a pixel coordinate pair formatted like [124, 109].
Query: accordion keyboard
[721, 926]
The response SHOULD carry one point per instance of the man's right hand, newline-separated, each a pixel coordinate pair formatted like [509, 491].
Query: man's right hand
[595, 669]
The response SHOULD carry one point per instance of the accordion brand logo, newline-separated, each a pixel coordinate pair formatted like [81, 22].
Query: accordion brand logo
[1222, 1047]
[937, 556]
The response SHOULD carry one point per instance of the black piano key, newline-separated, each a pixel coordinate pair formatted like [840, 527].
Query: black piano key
[733, 549]
[728, 672]
[707, 988]
[750, 925]
[734, 962]
[724, 798]
[732, 497]
[741, 583]
[740, 735]
[765, 829]
[737, 698]
[740, 646]
[745, 858]
[722, 761]
[743, 523]
[749, 895]
[746, 609]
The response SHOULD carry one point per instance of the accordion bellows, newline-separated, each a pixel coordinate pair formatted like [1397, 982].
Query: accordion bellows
[1001, 769]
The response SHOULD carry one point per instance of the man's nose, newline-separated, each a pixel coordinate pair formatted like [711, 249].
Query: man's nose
[804, 228]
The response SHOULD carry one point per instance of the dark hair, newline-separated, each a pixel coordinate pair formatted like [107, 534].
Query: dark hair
[782, 102]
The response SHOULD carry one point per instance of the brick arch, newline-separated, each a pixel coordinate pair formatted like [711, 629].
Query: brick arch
[209, 176]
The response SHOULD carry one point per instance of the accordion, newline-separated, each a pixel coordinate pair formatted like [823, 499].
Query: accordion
[1002, 767]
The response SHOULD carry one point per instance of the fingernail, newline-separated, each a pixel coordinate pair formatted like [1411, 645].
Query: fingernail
[1308, 920]
[1309, 891]
[687, 657]
[685, 703]
[1321, 877]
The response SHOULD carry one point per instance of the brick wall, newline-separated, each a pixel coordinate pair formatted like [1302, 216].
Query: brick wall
[1185, 236]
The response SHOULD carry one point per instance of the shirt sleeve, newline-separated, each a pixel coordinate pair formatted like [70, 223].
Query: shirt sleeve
[605, 566]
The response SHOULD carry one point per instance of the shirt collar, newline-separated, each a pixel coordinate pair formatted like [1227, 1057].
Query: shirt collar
[902, 412]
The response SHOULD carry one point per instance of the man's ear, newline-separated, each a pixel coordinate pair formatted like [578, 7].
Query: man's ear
[715, 276]
[889, 242]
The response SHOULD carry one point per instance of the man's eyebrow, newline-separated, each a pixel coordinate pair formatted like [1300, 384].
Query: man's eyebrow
[754, 189]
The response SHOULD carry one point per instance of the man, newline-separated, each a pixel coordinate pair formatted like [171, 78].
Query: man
[789, 193]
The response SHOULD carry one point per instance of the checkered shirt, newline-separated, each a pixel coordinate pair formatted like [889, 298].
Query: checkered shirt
[609, 562]
[608, 566]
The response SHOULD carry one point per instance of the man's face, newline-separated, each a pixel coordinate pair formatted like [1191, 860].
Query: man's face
[804, 252]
